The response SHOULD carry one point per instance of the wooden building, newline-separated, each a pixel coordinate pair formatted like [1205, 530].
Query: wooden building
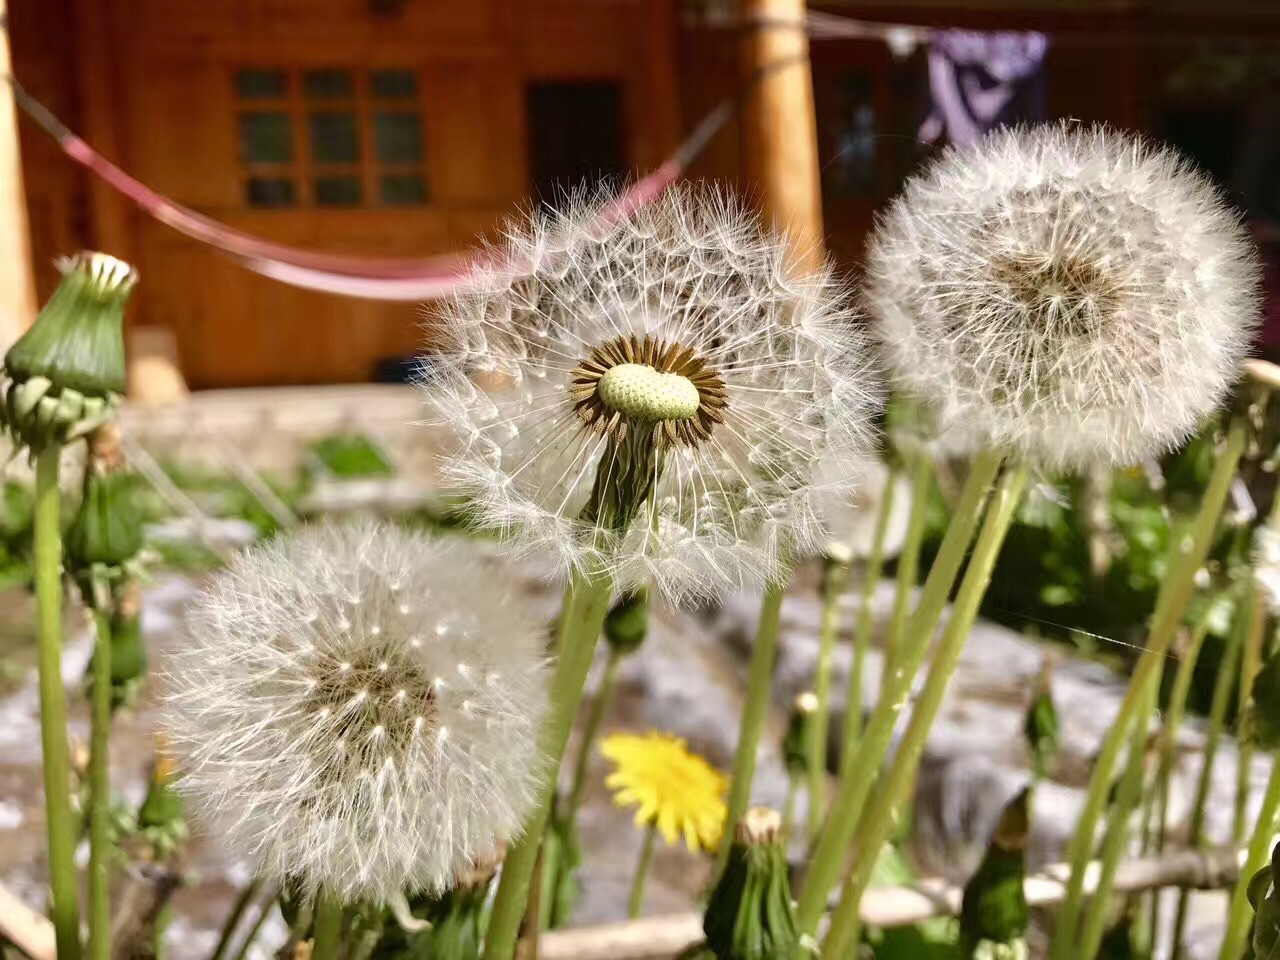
[409, 127]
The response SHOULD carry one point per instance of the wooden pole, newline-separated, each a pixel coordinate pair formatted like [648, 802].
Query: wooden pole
[779, 130]
[17, 280]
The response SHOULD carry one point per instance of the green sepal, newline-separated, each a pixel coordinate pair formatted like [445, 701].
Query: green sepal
[458, 918]
[750, 915]
[77, 340]
[627, 623]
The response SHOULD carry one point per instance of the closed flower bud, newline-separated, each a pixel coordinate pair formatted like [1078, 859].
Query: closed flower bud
[750, 915]
[994, 908]
[107, 531]
[66, 373]
[795, 742]
[1041, 723]
[357, 709]
[627, 623]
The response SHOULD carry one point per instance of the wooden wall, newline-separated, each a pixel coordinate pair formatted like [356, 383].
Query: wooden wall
[154, 88]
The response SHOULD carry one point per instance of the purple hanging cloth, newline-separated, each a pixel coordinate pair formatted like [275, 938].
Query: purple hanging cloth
[979, 81]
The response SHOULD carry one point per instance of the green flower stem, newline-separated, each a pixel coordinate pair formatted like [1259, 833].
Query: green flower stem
[590, 729]
[876, 826]
[1169, 752]
[586, 601]
[828, 855]
[755, 707]
[229, 925]
[100, 791]
[1222, 686]
[871, 575]
[1264, 833]
[1116, 840]
[1250, 662]
[53, 706]
[909, 557]
[833, 580]
[1171, 603]
[789, 803]
[327, 944]
[635, 903]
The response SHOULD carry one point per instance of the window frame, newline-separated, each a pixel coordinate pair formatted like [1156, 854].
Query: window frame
[304, 169]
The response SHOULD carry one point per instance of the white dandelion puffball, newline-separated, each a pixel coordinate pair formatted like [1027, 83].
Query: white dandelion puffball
[1266, 564]
[1072, 293]
[651, 394]
[357, 709]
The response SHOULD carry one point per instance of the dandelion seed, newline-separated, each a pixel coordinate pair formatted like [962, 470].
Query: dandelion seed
[1074, 294]
[281, 723]
[651, 397]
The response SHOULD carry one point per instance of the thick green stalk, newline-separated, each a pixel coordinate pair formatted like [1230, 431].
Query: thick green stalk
[1250, 662]
[1175, 593]
[909, 557]
[871, 575]
[53, 706]
[1264, 835]
[100, 793]
[635, 902]
[1116, 840]
[828, 855]
[586, 601]
[875, 828]
[834, 577]
[1223, 683]
[755, 708]
[1169, 752]
[327, 944]
[590, 729]
[789, 803]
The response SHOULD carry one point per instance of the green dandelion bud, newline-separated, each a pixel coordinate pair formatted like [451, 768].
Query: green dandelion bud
[66, 373]
[795, 742]
[1041, 723]
[128, 652]
[107, 532]
[749, 915]
[627, 623]
[994, 908]
[160, 818]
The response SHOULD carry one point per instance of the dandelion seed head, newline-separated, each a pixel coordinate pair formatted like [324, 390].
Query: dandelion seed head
[305, 743]
[1266, 564]
[1072, 293]
[651, 394]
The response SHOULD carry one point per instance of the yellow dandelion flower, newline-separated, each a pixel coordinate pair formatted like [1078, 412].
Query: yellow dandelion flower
[672, 789]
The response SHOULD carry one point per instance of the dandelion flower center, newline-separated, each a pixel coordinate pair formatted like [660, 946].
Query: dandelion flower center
[639, 391]
[658, 386]
[373, 707]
